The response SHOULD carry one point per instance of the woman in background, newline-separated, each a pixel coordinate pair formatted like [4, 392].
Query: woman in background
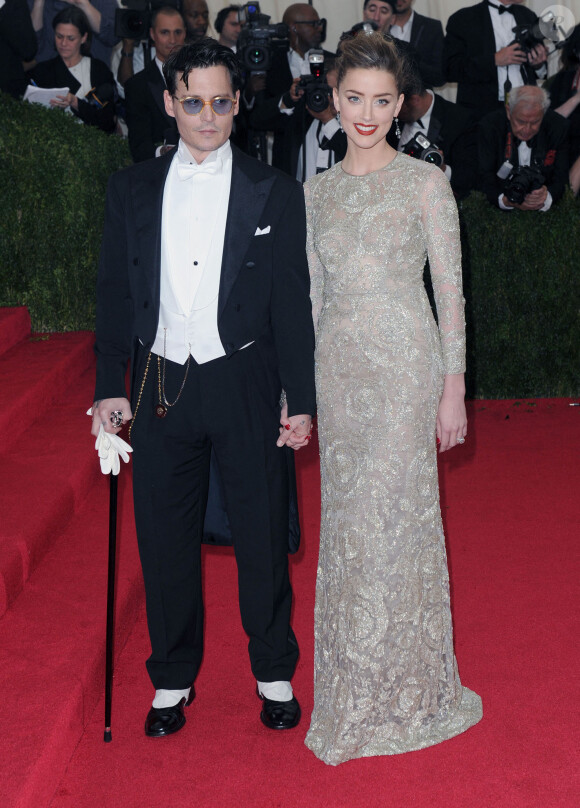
[91, 95]
[388, 383]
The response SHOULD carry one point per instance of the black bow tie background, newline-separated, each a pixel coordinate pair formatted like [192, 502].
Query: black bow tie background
[501, 9]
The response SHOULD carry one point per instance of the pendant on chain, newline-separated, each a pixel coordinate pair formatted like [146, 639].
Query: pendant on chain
[160, 411]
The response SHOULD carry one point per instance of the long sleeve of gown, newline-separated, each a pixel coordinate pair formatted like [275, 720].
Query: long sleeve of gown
[441, 228]
[314, 262]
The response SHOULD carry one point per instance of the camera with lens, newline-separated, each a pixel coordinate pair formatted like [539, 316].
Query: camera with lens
[422, 149]
[258, 40]
[316, 90]
[521, 181]
[528, 36]
[134, 21]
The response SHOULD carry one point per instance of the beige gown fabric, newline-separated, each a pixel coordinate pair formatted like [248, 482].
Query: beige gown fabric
[386, 679]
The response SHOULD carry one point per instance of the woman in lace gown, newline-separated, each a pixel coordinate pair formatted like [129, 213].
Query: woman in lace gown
[389, 381]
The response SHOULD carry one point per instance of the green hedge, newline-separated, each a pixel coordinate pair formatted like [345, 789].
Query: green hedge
[53, 176]
[522, 270]
[522, 290]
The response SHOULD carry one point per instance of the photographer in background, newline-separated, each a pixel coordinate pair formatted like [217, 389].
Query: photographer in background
[228, 26]
[152, 131]
[99, 13]
[196, 16]
[486, 58]
[564, 89]
[425, 36]
[449, 130]
[282, 95]
[381, 12]
[523, 152]
[312, 135]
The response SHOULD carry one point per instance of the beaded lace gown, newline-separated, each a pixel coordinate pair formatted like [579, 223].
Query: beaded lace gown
[386, 679]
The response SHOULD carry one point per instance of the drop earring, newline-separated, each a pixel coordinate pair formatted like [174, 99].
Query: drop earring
[397, 128]
[339, 123]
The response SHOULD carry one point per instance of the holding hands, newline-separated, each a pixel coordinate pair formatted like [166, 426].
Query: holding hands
[294, 431]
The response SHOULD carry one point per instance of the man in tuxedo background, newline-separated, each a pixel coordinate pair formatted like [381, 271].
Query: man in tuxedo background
[446, 125]
[425, 36]
[282, 97]
[203, 284]
[149, 125]
[480, 54]
[527, 133]
[381, 12]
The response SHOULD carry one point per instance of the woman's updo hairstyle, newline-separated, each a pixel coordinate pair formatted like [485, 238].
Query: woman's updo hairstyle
[373, 52]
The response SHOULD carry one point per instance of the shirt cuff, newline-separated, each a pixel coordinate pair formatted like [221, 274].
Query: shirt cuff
[501, 204]
[158, 151]
[284, 111]
[547, 204]
[447, 172]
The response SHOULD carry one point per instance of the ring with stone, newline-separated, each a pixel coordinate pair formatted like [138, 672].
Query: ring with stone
[460, 440]
[116, 418]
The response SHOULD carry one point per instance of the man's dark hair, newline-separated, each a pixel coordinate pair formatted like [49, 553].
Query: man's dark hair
[222, 16]
[391, 3]
[205, 53]
[166, 8]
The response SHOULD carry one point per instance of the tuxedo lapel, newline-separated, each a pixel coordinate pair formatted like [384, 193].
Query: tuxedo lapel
[248, 196]
[157, 87]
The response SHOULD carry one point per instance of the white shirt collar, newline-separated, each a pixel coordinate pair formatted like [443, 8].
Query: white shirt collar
[220, 156]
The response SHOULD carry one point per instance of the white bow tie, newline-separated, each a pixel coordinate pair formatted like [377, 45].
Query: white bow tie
[186, 171]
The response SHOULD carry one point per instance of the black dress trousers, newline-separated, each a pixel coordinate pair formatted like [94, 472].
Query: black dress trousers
[227, 404]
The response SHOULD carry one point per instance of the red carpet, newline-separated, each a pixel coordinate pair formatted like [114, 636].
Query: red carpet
[511, 510]
[511, 506]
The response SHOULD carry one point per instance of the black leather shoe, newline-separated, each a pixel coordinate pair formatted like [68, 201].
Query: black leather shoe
[280, 714]
[163, 721]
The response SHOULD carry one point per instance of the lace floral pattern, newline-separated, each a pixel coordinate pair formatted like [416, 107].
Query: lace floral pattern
[386, 679]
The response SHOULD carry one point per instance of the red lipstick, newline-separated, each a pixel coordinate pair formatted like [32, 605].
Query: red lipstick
[365, 129]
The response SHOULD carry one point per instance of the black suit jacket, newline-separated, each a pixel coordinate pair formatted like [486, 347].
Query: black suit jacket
[550, 149]
[289, 130]
[427, 43]
[454, 130]
[148, 123]
[289, 133]
[17, 44]
[54, 73]
[469, 56]
[264, 287]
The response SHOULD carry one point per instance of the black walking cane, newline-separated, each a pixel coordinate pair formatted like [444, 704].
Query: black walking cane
[110, 604]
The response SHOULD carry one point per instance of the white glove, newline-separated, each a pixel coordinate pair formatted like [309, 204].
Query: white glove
[109, 447]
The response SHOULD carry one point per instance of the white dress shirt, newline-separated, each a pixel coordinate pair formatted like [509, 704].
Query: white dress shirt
[504, 36]
[402, 32]
[82, 73]
[192, 238]
[317, 159]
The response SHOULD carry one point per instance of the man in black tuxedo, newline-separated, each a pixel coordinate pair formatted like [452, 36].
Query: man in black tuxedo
[313, 138]
[425, 35]
[525, 134]
[452, 129]
[281, 96]
[480, 54]
[151, 129]
[203, 284]
[17, 44]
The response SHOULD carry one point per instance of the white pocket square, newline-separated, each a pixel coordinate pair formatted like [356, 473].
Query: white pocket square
[262, 232]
